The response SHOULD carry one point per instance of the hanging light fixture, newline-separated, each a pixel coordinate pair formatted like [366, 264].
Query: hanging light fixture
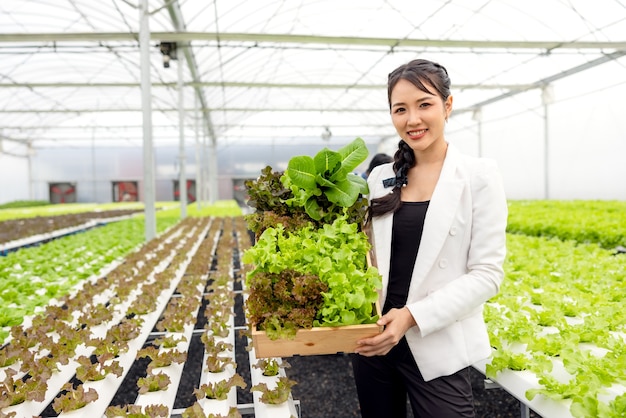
[326, 133]
[168, 50]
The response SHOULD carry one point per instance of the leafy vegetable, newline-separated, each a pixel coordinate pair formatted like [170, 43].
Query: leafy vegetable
[92, 371]
[217, 364]
[326, 182]
[73, 398]
[271, 366]
[335, 253]
[196, 411]
[136, 411]
[277, 395]
[559, 300]
[219, 390]
[15, 391]
[153, 382]
[312, 190]
[584, 221]
[161, 358]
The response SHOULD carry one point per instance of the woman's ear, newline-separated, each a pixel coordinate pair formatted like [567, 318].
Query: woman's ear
[448, 106]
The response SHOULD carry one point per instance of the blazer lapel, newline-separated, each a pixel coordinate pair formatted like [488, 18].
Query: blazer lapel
[439, 217]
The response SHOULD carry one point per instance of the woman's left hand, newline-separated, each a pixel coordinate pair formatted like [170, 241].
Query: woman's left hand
[396, 322]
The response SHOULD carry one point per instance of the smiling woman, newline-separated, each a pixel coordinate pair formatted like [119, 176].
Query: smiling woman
[438, 229]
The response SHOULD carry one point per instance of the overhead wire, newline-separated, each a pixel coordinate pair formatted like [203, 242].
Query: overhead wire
[390, 50]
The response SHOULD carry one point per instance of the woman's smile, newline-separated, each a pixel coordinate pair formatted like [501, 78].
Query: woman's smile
[416, 134]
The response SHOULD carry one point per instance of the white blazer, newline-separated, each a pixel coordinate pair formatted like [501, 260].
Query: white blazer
[458, 265]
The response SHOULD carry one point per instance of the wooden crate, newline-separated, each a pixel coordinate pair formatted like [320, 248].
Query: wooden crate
[314, 341]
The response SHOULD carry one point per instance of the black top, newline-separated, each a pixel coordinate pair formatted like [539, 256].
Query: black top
[408, 224]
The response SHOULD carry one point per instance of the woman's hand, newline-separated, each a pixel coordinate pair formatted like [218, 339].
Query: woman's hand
[396, 322]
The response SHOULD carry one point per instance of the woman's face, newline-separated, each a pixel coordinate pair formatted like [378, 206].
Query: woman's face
[419, 117]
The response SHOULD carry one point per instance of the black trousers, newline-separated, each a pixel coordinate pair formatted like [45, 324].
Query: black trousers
[383, 383]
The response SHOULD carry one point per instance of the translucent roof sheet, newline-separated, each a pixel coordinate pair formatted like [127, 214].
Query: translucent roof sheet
[281, 70]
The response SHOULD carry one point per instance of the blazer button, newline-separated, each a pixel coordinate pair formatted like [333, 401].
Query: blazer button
[453, 231]
[443, 263]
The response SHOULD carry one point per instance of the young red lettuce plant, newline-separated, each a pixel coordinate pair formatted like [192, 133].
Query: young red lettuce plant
[212, 346]
[219, 390]
[196, 411]
[270, 366]
[169, 341]
[219, 327]
[177, 314]
[217, 364]
[281, 303]
[96, 315]
[116, 339]
[93, 371]
[10, 353]
[73, 398]
[136, 411]
[31, 337]
[15, 391]
[153, 382]
[277, 395]
[161, 358]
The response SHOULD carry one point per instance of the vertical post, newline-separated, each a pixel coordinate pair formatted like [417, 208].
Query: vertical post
[93, 162]
[29, 156]
[205, 165]
[182, 179]
[199, 176]
[546, 99]
[213, 172]
[146, 104]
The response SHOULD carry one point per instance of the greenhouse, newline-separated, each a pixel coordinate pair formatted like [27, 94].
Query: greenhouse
[149, 149]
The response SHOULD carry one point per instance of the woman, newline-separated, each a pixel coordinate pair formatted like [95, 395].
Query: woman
[438, 221]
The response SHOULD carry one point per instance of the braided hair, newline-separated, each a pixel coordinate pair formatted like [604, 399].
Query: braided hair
[421, 73]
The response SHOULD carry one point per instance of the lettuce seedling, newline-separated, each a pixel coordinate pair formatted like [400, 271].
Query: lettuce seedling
[161, 358]
[15, 391]
[88, 371]
[270, 366]
[153, 382]
[137, 411]
[212, 346]
[219, 390]
[277, 395]
[217, 364]
[73, 399]
[196, 411]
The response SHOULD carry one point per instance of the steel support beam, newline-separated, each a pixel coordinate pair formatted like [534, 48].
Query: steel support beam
[258, 38]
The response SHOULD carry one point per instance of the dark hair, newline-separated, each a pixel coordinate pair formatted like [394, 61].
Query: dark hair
[378, 159]
[420, 73]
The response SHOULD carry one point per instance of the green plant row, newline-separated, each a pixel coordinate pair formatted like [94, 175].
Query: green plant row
[584, 221]
[67, 208]
[310, 277]
[23, 204]
[228, 207]
[154, 269]
[221, 208]
[29, 278]
[562, 302]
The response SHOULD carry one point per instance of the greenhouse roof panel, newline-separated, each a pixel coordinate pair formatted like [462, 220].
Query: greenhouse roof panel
[275, 67]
